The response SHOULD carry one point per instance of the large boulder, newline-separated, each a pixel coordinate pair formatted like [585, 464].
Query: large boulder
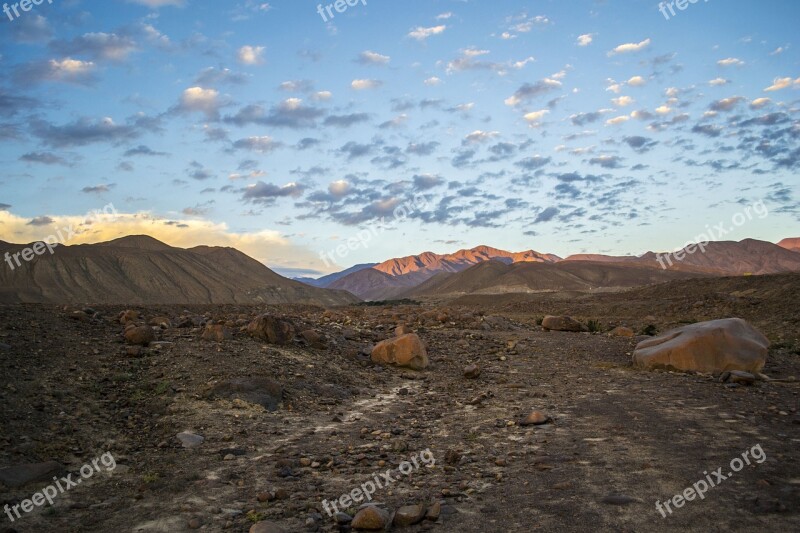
[406, 350]
[272, 329]
[562, 323]
[715, 346]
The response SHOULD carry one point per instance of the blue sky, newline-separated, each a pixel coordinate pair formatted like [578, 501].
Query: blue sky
[564, 127]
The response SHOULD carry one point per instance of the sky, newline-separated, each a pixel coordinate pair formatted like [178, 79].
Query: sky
[286, 129]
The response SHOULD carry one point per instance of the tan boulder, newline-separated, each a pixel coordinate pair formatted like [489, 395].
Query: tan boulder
[621, 331]
[562, 323]
[128, 316]
[216, 332]
[371, 518]
[406, 351]
[714, 346]
[272, 329]
[139, 335]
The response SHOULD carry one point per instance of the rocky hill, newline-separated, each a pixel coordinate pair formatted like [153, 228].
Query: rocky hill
[142, 270]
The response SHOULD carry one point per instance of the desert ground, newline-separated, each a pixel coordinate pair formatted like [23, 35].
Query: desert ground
[323, 419]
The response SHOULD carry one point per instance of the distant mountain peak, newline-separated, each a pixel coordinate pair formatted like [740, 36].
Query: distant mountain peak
[142, 242]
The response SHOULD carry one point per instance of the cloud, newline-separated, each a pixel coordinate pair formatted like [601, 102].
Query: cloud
[421, 33]
[623, 101]
[345, 121]
[432, 81]
[547, 215]
[266, 193]
[291, 113]
[718, 82]
[44, 158]
[606, 161]
[640, 144]
[143, 150]
[84, 131]
[373, 58]
[97, 189]
[361, 85]
[529, 91]
[98, 46]
[630, 47]
[585, 39]
[218, 76]
[783, 83]
[760, 103]
[251, 55]
[262, 145]
[423, 182]
[534, 118]
[198, 99]
[730, 62]
[480, 136]
[726, 104]
[66, 70]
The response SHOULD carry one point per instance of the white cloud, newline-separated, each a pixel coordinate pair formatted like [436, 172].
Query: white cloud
[758, 103]
[623, 101]
[251, 55]
[637, 81]
[783, 83]
[534, 118]
[373, 58]
[630, 47]
[618, 120]
[432, 81]
[585, 39]
[361, 85]
[730, 62]
[717, 82]
[420, 33]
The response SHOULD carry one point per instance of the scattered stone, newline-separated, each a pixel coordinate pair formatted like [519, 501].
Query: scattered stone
[195, 523]
[536, 418]
[272, 329]
[342, 518]
[433, 512]
[452, 457]
[621, 331]
[20, 475]
[406, 351]
[711, 347]
[472, 371]
[216, 333]
[190, 440]
[371, 518]
[314, 339]
[401, 330]
[562, 323]
[128, 316]
[140, 335]
[408, 515]
[160, 322]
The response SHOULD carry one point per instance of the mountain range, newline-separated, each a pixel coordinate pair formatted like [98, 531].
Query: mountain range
[489, 270]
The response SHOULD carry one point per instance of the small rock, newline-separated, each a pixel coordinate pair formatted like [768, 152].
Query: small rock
[190, 440]
[408, 515]
[562, 323]
[433, 512]
[195, 523]
[371, 518]
[472, 371]
[536, 418]
[621, 331]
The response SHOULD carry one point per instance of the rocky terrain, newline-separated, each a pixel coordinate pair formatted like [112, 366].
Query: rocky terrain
[222, 421]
